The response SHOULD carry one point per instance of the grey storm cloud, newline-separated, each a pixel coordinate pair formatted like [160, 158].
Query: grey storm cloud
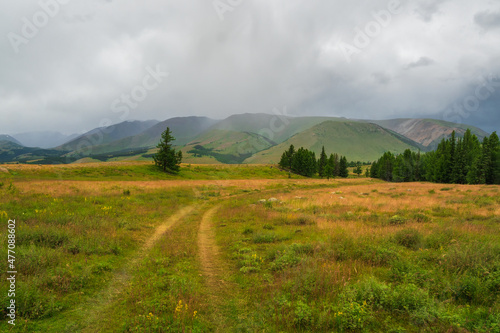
[426, 9]
[71, 65]
[422, 62]
[487, 20]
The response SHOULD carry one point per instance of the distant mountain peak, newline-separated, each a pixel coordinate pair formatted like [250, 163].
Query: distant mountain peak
[8, 138]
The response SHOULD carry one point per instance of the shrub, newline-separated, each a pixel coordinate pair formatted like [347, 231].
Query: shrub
[414, 301]
[409, 238]
[353, 316]
[371, 291]
[396, 220]
[303, 316]
[284, 259]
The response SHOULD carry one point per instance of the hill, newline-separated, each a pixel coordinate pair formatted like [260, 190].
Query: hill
[184, 130]
[8, 138]
[356, 140]
[103, 135]
[277, 128]
[229, 147]
[428, 132]
[13, 152]
[255, 138]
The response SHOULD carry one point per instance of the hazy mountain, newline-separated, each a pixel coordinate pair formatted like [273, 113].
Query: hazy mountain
[108, 134]
[43, 139]
[5, 137]
[184, 130]
[428, 132]
[252, 138]
[358, 141]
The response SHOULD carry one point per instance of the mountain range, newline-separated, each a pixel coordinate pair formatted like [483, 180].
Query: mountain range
[241, 138]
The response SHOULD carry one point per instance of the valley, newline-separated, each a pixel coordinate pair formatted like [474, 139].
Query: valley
[241, 139]
[106, 247]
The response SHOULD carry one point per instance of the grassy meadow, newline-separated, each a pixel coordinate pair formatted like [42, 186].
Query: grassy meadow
[120, 247]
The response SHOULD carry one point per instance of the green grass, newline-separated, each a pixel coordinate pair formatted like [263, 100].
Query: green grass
[68, 248]
[130, 171]
[309, 262]
[424, 276]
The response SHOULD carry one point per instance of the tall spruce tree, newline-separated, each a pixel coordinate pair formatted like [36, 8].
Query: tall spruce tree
[330, 167]
[494, 174]
[287, 158]
[484, 161]
[167, 158]
[343, 171]
[322, 163]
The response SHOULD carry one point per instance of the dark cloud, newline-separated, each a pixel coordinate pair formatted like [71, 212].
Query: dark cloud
[422, 62]
[71, 72]
[487, 20]
[428, 8]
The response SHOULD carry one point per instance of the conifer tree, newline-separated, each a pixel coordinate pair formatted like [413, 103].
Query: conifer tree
[330, 167]
[343, 171]
[167, 158]
[322, 163]
[494, 174]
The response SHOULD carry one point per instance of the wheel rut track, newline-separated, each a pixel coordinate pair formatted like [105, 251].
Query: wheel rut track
[212, 266]
[91, 311]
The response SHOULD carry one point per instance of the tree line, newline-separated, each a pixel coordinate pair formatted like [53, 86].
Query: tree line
[455, 161]
[304, 162]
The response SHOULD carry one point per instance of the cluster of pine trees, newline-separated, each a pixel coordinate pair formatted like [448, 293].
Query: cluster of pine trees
[456, 160]
[304, 162]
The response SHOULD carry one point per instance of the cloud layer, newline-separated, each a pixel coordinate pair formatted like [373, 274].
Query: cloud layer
[80, 64]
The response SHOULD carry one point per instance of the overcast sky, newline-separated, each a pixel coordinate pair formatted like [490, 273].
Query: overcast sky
[72, 65]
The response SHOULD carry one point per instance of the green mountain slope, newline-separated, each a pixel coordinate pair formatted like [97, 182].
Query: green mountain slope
[184, 130]
[274, 127]
[356, 140]
[104, 135]
[13, 152]
[224, 146]
[5, 137]
[428, 132]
